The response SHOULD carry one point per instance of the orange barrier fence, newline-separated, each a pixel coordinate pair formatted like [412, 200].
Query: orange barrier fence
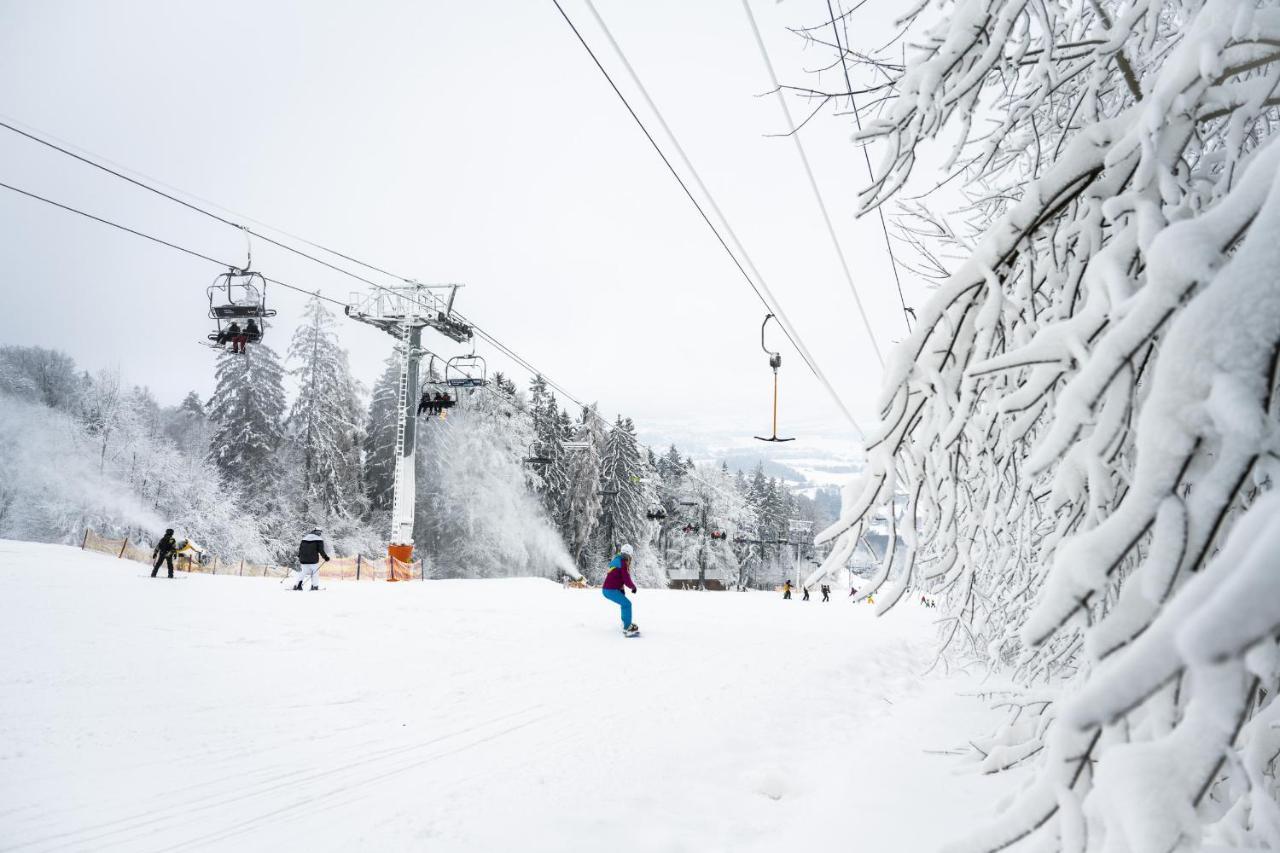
[358, 568]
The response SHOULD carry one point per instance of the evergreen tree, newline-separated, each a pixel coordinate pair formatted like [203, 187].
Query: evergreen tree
[550, 432]
[623, 501]
[380, 438]
[584, 487]
[246, 412]
[187, 426]
[325, 421]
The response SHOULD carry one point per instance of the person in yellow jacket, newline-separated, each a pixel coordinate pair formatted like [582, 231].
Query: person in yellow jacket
[786, 590]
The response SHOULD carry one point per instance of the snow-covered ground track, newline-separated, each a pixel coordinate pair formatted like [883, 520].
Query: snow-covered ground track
[224, 713]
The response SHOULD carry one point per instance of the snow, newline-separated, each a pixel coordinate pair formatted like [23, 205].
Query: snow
[225, 713]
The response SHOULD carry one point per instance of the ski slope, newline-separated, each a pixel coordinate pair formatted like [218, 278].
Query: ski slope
[224, 713]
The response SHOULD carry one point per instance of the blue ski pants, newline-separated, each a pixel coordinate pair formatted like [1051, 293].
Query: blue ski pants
[619, 598]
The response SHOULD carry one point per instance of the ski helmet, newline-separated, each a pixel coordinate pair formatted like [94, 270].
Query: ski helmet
[626, 549]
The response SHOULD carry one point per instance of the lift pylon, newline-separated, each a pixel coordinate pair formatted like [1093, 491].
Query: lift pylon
[403, 312]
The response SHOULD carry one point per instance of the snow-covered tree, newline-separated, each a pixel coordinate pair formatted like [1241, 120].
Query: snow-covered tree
[380, 437]
[44, 375]
[583, 498]
[325, 423]
[187, 426]
[1077, 441]
[476, 515]
[247, 410]
[624, 497]
[550, 433]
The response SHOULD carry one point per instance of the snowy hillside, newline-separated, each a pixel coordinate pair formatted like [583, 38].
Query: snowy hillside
[223, 713]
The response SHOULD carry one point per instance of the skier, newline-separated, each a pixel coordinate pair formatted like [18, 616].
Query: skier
[238, 339]
[163, 552]
[786, 590]
[310, 550]
[618, 577]
[826, 592]
[806, 594]
[252, 332]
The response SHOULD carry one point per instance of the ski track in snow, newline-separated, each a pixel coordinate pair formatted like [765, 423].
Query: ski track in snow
[223, 713]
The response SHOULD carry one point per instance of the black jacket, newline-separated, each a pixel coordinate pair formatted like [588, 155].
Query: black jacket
[164, 547]
[311, 549]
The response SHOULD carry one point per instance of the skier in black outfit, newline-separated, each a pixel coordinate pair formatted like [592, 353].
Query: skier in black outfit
[310, 550]
[806, 594]
[163, 552]
[826, 592]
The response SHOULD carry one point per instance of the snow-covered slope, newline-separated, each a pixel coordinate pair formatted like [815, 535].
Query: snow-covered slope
[223, 713]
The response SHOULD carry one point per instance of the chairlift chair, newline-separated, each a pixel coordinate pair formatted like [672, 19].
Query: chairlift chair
[465, 371]
[240, 297]
[775, 361]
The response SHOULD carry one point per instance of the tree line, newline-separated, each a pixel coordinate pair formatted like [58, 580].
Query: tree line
[509, 482]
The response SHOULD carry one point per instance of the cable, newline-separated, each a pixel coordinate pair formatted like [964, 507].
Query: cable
[154, 239]
[318, 295]
[871, 175]
[813, 183]
[771, 303]
[488, 337]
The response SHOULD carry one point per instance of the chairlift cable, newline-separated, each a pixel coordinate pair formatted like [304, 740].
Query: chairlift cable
[871, 175]
[154, 239]
[533, 370]
[813, 183]
[770, 302]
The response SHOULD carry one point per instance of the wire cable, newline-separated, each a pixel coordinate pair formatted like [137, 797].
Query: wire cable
[316, 294]
[771, 303]
[813, 183]
[192, 252]
[871, 175]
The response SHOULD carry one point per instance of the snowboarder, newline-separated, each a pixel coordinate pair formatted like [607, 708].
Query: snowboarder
[163, 552]
[616, 582]
[786, 590]
[826, 592]
[806, 594]
[310, 550]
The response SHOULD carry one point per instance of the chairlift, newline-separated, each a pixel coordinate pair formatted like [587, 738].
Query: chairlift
[775, 361]
[465, 371]
[656, 513]
[238, 305]
[575, 445]
[434, 396]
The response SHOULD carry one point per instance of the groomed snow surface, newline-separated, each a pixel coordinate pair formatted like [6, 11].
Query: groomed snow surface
[224, 713]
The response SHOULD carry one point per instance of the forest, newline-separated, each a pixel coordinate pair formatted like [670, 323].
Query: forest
[510, 483]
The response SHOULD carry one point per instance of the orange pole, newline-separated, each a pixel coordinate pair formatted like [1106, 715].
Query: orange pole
[775, 402]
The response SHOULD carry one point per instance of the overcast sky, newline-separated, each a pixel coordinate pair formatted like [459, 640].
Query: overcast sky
[448, 141]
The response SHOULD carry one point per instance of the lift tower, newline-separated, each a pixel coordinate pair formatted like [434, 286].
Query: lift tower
[403, 312]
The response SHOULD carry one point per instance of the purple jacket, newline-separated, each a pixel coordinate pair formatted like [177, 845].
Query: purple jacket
[618, 576]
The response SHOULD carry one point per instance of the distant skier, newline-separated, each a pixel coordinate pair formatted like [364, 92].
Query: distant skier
[786, 590]
[616, 582]
[805, 597]
[310, 550]
[163, 552]
[826, 592]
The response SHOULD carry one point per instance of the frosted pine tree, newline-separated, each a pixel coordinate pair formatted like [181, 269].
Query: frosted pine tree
[324, 424]
[247, 411]
[583, 498]
[624, 491]
[550, 433]
[1077, 439]
[380, 437]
